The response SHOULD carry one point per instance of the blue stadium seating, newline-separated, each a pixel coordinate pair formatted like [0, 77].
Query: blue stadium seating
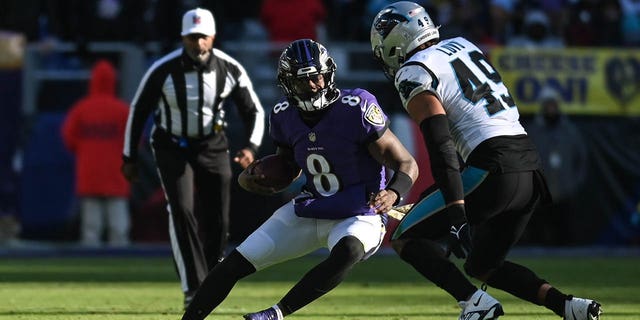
[47, 184]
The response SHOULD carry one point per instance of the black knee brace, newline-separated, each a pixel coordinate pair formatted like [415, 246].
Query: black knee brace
[237, 265]
[347, 252]
[325, 276]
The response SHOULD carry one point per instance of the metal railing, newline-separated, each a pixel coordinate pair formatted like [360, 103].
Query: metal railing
[53, 64]
[355, 66]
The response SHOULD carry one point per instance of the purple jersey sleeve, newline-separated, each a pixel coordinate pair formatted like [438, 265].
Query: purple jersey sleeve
[333, 154]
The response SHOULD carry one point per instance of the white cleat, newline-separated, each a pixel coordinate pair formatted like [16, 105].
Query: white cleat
[581, 309]
[481, 306]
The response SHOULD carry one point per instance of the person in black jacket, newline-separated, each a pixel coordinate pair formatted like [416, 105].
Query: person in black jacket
[185, 91]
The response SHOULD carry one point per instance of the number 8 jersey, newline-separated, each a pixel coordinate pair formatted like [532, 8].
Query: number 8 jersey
[333, 153]
[477, 103]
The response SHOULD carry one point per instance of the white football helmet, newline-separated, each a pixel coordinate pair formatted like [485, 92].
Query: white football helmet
[303, 60]
[397, 30]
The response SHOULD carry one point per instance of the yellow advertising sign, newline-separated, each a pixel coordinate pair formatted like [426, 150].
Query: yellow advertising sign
[589, 80]
[11, 50]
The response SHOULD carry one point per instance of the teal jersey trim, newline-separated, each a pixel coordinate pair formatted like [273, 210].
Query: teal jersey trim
[471, 178]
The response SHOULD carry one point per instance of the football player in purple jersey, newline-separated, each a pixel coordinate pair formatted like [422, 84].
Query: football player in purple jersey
[341, 141]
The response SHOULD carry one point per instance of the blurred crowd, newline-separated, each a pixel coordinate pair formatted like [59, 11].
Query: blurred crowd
[517, 23]
[487, 22]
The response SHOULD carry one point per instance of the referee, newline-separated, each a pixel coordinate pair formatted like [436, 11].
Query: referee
[185, 91]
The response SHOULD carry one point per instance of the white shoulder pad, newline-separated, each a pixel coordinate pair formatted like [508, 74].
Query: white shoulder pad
[412, 79]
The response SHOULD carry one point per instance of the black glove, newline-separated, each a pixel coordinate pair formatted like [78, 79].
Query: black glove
[459, 241]
[130, 171]
[459, 237]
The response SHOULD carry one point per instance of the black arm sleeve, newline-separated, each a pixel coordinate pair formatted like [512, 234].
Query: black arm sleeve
[142, 106]
[445, 166]
[249, 108]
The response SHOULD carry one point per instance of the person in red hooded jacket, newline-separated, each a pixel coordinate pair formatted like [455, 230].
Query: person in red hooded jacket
[94, 132]
[290, 20]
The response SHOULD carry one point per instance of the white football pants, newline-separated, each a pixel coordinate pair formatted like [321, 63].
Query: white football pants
[286, 236]
[98, 211]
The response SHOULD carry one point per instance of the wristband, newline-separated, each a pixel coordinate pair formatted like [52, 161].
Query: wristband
[456, 214]
[401, 184]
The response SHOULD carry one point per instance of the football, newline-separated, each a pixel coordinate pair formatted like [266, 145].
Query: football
[268, 175]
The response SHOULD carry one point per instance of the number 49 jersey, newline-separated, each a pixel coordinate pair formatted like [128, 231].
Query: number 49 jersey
[477, 103]
[333, 153]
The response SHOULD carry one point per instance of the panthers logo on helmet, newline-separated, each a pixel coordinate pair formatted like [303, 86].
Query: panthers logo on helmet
[374, 115]
[405, 87]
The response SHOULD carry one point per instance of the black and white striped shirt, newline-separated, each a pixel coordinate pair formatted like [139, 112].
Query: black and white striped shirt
[186, 99]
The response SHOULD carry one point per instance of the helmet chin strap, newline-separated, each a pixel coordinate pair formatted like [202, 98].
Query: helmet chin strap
[319, 101]
[313, 104]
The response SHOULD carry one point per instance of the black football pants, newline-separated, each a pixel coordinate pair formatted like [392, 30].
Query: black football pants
[498, 211]
[194, 172]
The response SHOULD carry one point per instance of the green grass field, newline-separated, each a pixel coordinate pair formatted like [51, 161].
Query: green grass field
[380, 288]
